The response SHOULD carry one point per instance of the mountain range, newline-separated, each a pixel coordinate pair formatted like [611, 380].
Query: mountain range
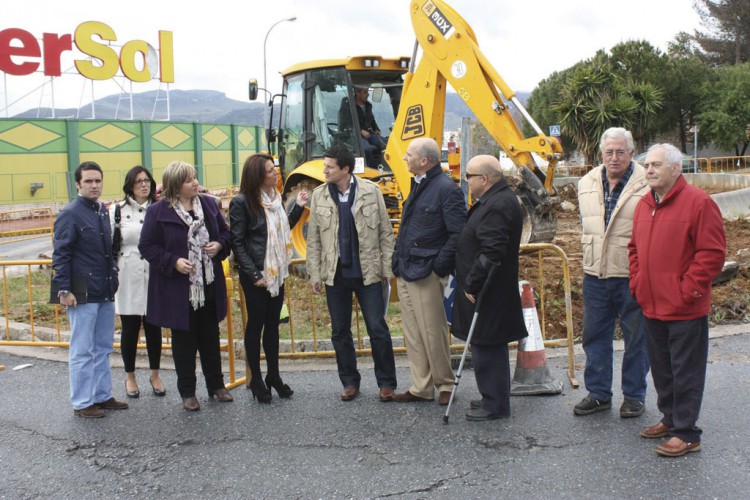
[206, 106]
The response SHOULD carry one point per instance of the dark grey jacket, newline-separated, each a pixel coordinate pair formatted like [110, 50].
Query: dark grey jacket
[82, 258]
[432, 219]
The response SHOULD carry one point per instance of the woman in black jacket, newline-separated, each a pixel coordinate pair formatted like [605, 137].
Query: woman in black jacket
[261, 241]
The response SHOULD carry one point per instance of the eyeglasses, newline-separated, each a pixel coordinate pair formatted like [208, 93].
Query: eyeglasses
[468, 176]
[618, 153]
[143, 181]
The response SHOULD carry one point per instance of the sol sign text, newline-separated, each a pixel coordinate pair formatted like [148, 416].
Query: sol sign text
[22, 57]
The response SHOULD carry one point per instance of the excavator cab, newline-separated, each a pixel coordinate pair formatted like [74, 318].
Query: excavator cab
[318, 108]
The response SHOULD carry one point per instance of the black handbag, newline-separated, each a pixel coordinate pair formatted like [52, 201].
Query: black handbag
[117, 235]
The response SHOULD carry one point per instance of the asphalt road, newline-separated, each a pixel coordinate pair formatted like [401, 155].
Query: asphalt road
[316, 446]
[24, 250]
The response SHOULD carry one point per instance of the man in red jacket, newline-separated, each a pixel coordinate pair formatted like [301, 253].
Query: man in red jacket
[677, 248]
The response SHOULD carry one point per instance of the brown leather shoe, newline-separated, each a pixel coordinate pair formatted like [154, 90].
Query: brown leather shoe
[444, 398]
[221, 395]
[386, 394]
[408, 397]
[655, 431]
[349, 393]
[92, 411]
[191, 403]
[112, 404]
[676, 447]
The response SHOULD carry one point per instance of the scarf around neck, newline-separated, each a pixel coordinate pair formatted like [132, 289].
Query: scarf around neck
[278, 244]
[197, 237]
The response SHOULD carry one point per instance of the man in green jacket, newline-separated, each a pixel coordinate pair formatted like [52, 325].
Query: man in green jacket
[349, 247]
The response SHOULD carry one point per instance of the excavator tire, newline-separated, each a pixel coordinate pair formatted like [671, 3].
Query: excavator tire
[299, 231]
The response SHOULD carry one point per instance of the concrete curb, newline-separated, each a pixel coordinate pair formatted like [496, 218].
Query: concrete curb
[733, 204]
[60, 354]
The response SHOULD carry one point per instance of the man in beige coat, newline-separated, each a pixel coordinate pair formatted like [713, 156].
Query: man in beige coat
[607, 197]
[349, 247]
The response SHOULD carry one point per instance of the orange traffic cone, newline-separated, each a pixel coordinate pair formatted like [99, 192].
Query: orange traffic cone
[532, 376]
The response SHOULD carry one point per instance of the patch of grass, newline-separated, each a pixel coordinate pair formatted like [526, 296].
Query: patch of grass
[16, 299]
[309, 316]
[303, 324]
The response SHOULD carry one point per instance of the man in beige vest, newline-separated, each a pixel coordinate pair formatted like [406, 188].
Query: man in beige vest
[607, 197]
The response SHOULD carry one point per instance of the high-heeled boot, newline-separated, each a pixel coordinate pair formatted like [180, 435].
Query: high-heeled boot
[260, 391]
[284, 390]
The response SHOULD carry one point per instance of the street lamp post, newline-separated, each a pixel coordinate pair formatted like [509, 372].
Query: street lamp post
[694, 130]
[265, 76]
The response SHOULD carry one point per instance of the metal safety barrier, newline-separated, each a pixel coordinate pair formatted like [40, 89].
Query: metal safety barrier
[540, 249]
[696, 165]
[311, 315]
[57, 336]
[728, 164]
[25, 224]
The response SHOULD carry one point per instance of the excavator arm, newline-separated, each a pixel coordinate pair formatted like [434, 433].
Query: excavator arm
[451, 54]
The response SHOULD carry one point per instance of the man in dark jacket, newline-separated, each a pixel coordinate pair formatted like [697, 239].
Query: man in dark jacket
[86, 281]
[487, 262]
[349, 247]
[678, 246]
[433, 216]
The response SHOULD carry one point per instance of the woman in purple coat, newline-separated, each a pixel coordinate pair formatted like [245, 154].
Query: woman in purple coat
[184, 239]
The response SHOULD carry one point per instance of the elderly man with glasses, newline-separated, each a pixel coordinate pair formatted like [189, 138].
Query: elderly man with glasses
[607, 197]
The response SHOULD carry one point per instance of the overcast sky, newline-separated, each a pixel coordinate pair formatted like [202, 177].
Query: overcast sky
[219, 45]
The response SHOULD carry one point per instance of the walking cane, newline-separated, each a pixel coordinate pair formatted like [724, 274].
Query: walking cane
[466, 347]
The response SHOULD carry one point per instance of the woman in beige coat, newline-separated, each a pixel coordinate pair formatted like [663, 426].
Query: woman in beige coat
[130, 299]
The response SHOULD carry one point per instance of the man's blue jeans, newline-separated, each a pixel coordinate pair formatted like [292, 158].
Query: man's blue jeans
[604, 301]
[373, 148]
[92, 329]
[370, 298]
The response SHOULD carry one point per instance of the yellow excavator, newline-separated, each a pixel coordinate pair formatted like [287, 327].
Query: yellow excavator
[317, 109]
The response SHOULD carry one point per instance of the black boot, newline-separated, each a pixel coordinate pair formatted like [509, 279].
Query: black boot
[260, 391]
[284, 390]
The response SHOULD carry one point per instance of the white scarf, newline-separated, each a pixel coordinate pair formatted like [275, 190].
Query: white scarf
[197, 237]
[278, 245]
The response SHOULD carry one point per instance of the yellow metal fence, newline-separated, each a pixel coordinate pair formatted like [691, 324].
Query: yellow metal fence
[727, 164]
[302, 308]
[24, 224]
[57, 337]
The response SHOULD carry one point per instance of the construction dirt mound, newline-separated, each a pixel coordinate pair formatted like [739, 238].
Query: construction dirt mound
[730, 300]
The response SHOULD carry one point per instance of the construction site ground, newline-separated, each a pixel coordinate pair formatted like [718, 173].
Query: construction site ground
[730, 301]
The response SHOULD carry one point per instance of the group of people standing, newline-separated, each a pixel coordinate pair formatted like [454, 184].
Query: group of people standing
[351, 250]
[651, 246]
[167, 256]
[164, 272]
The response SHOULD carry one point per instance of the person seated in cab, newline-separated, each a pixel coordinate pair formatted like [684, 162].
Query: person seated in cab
[372, 140]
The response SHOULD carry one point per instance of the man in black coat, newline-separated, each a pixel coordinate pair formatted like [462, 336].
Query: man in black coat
[488, 249]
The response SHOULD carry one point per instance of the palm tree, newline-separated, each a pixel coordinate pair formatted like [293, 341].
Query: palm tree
[595, 98]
